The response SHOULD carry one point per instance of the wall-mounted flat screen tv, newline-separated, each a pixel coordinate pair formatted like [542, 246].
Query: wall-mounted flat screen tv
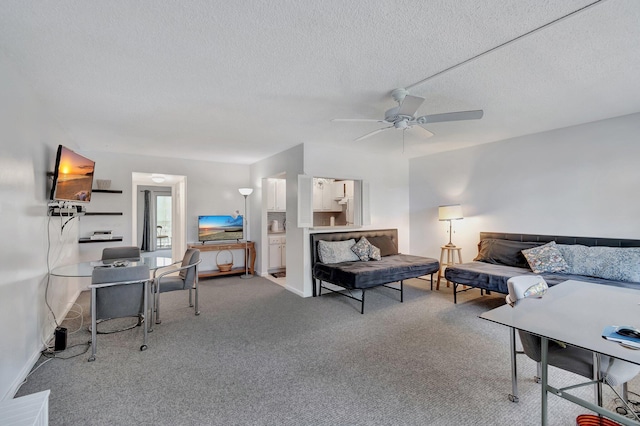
[219, 228]
[72, 177]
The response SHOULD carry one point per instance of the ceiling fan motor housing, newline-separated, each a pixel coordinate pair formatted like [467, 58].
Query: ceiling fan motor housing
[391, 115]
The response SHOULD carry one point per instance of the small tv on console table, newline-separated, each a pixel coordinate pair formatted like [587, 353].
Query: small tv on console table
[216, 228]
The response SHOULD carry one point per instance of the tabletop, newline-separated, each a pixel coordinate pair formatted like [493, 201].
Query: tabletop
[85, 269]
[576, 312]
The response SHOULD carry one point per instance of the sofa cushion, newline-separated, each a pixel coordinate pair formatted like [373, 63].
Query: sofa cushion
[362, 249]
[504, 252]
[337, 251]
[385, 244]
[375, 253]
[546, 258]
[371, 274]
[614, 263]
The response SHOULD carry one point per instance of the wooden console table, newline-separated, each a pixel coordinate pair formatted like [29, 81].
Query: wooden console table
[250, 246]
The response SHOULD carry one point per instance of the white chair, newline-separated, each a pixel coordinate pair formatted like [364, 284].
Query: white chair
[161, 237]
[613, 372]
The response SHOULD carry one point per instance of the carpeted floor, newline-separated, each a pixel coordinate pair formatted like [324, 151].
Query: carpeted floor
[260, 355]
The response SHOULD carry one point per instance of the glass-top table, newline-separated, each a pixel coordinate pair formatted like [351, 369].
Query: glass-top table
[85, 269]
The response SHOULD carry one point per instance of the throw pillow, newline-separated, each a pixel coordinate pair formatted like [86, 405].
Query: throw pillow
[336, 251]
[613, 263]
[504, 252]
[546, 258]
[375, 253]
[362, 249]
[385, 244]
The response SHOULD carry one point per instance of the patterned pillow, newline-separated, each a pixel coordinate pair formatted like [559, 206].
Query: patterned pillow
[362, 249]
[375, 253]
[546, 258]
[613, 263]
[336, 251]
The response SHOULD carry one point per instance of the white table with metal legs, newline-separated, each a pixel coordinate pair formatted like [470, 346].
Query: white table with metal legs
[575, 312]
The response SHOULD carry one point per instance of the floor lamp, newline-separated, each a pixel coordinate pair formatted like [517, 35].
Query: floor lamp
[245, 192]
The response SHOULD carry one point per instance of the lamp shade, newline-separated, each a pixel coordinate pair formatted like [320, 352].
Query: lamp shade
[451, 212]
[158, 178]
[245, 191]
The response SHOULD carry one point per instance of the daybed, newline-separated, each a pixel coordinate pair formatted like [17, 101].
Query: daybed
[608, 261]
[341, 268]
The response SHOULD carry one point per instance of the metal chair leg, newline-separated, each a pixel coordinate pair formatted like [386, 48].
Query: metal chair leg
[196, 291]
[513, 397]
[146, 309]
[157, 306]
[94, 333]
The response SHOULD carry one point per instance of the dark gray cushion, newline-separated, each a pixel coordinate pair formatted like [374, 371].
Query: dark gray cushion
[494, 277]
[385, 244]
[370, 274]
[504, 252]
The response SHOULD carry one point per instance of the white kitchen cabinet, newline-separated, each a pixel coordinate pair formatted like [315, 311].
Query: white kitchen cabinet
[324, 197]
[276, 195]
[277, 251]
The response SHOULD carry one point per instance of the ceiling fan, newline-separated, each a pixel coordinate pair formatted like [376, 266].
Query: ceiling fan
[404, 115]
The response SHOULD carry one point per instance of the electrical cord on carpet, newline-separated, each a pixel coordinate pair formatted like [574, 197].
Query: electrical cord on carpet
[56, 354]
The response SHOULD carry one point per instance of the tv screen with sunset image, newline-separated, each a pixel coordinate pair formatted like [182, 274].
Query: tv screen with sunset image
[72, 177]
[219, 228]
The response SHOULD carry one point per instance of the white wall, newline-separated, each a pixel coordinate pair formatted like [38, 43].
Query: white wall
[291, 163]
[29, 138]
[388, 177]
[212, 188]
[577, 181]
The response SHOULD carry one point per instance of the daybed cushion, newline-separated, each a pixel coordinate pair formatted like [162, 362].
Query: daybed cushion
[504, 252]
[494, 277]
[385, 244]
[614, 263]
[370, 274]
[337, 251]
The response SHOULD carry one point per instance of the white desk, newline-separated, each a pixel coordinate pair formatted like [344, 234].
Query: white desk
[85, 269]
[576, 313]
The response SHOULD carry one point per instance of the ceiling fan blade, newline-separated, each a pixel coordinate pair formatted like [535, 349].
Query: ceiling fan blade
[372, 133]
[410, 105]
[368, 120]
[421, 131]
[451, 116]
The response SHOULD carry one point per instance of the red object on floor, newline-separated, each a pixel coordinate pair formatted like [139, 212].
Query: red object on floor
[593, 420]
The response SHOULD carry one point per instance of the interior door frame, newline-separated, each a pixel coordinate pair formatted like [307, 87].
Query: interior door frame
[178, 185]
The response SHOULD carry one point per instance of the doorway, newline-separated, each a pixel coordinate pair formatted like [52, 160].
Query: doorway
[163, 221]
[275, 197]
[168, 209]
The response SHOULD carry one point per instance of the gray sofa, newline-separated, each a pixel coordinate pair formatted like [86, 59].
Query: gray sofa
[363, 275]
[499, 258]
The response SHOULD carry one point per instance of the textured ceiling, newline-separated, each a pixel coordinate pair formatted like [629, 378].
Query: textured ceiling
[240, 81]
